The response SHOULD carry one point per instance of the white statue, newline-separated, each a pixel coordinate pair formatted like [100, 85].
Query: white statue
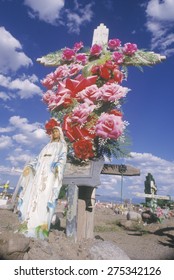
[40, 185]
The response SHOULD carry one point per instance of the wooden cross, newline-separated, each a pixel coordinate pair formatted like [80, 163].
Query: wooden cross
[153, 196]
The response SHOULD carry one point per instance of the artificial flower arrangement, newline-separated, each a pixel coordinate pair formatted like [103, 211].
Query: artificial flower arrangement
[84, 96]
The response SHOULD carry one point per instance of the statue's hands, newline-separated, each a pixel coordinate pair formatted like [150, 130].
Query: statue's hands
[26, 171]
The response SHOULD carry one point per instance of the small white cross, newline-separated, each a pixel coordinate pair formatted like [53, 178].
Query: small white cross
[100, 35]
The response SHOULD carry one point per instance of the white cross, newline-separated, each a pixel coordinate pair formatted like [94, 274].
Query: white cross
[100, 35]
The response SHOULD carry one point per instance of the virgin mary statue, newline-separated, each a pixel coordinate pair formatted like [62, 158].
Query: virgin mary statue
[40, 184]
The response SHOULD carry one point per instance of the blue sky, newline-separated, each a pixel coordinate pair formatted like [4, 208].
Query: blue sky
[30, 29]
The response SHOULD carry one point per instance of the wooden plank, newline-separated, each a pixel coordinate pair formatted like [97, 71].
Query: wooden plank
[116, 169]
[81, 219]
[85, 220]
[90, 217]
[71, 219]
[153, 196]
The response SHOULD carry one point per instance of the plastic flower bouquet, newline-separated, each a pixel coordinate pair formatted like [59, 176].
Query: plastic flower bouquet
[85, 95]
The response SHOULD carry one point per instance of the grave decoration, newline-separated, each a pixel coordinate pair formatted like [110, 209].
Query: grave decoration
[85, 93]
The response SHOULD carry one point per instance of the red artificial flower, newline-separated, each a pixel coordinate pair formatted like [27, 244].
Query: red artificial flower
[76, 86]
[67, 102]
[118, 75]
[116, 113]
[50, 124]
[83, 149]
[104, 72]
[75, 132]
[95, 69]
[110, 64]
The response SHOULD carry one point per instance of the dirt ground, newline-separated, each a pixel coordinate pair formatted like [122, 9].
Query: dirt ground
[140, 242]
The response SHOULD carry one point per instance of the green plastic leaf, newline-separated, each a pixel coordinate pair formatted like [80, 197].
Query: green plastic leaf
[51, 59]
[142, 58]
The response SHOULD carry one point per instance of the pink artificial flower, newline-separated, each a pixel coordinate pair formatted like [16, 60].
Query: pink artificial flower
[61, 72]
[62, 89]
[49, 81]
[55, 102]
[75, 69]
[81, 58]
[58, 100]
[92, 93]
[95, 50]
[78, 46]
[60, 97]
[47, 96]
[68, 54]
[117, 57]
[113, 92]
[129, 49]
[114, 44]
[109, 126]
[81, 113]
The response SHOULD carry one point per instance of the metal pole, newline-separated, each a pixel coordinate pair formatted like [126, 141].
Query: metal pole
[121, 188]
[122, 169]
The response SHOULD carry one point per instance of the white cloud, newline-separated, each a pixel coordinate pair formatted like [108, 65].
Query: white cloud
[8, 108]
[161, 169]
[48, 11]
[161, 10]
[29, 133]
[39, 134]
[9, 171]
[53, 12]
[21, 139]
[18, 159]
[23, 87]
[5, 142]
[78, 17]
[11, 55]
[6, 129]
[160, 20]
[4, 96]
[22, 124]
[26, 138]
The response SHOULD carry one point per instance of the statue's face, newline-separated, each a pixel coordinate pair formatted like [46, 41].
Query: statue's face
[55, 134]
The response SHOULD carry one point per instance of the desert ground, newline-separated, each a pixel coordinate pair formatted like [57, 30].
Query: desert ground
[139, 240]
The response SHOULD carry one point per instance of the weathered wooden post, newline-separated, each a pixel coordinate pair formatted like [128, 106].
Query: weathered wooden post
[82, 182]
